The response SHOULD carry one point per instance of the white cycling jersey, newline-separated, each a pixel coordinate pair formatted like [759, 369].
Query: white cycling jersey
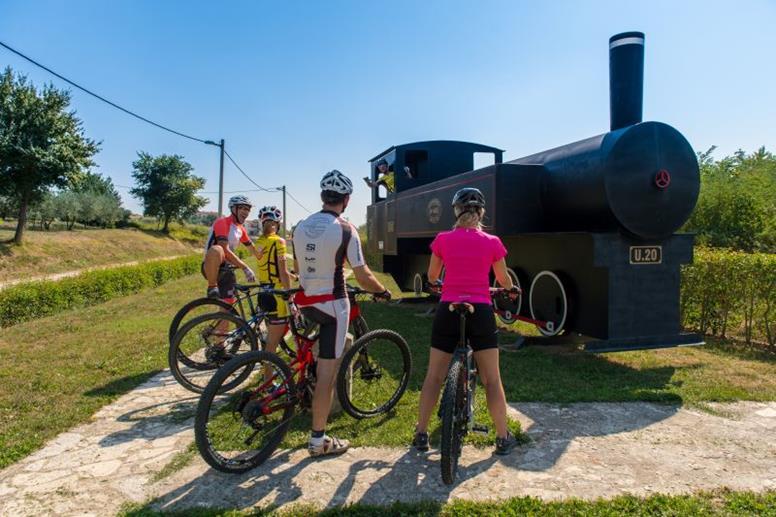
[322, 243]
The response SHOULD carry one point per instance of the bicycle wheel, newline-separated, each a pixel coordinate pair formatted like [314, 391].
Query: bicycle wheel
[207, 342]
[453, 420]
[239, 431]
[195, 308]
[374, 374]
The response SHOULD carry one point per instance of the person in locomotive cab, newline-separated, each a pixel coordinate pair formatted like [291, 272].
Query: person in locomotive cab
[385, 177]
[468, 254]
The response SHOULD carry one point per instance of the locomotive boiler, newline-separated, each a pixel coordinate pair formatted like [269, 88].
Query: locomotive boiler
[590, 226]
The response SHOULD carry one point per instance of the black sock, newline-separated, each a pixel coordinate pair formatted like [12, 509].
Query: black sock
[317, 434]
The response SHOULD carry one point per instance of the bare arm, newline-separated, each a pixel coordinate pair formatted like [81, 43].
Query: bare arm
[434, 268]
[283, 272]
[230, 256]
[257, 252]
[503, 278]
[367, 280]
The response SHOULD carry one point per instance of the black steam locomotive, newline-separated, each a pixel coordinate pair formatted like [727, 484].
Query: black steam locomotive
[590, 226]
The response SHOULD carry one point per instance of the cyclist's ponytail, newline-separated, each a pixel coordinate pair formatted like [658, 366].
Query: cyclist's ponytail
[469, 218]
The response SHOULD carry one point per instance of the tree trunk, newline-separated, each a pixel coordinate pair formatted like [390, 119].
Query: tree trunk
[166, 228]
[17, 238]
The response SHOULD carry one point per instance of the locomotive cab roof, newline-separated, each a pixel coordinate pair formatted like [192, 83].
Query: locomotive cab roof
[420, 163]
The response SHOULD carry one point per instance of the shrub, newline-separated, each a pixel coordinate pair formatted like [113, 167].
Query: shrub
[730, 292]
[37, 299]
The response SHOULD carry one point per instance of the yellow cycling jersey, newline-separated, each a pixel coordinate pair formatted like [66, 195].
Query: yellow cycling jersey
[273, 250]
[389, 180]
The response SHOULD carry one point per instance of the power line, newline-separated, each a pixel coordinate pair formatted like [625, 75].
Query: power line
[297, 202]
[160, 126]
[103, 99]
[246, 176]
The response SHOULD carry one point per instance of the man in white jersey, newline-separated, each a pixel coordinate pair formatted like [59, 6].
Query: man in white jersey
[322, 243]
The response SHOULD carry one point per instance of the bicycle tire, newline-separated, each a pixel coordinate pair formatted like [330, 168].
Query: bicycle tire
[199, 302]
[175, 352]
[203, 437]
[453, 400]
[345, 389]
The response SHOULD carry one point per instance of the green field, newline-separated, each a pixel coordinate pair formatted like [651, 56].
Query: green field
[51, 252]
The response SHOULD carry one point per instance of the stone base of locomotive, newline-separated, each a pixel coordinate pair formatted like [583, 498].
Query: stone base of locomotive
[620, 292]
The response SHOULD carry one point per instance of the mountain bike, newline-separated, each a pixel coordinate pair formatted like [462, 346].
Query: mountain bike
[456, 409]
[207, 342]
[239, 431]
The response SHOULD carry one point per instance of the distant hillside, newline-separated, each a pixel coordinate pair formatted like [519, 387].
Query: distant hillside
[45, 253]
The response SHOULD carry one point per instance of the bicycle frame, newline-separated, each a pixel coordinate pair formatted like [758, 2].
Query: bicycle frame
[300, 364]
[464, 353]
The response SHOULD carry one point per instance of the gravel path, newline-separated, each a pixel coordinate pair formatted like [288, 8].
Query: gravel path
[583, 450]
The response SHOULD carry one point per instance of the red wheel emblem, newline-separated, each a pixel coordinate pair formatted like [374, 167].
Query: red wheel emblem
[662, 179]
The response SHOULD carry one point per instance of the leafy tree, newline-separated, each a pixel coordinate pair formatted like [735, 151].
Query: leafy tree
[95, 183]
[42, 145]
[47, 211]
[167, 187]
[68, 206]
[737, 205]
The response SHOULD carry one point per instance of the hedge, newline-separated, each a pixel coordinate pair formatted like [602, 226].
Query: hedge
[37, 299]
[729, 293]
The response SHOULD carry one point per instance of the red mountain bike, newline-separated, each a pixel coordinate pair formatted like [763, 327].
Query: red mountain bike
[239, 431]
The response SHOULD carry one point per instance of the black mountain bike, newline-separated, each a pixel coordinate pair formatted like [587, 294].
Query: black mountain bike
[457, 407]
[206, 342]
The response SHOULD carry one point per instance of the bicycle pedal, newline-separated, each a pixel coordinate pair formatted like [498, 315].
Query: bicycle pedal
[480, 429]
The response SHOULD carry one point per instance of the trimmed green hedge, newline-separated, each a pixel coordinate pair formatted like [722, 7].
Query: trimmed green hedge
[729, 293]
[37, 299]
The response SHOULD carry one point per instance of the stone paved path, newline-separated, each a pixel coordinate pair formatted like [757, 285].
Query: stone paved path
[583, 450]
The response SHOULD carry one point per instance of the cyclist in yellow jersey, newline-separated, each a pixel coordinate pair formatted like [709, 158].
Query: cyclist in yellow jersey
[272, 270]
[385, 177]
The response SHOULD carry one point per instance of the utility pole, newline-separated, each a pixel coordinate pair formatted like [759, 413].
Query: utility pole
[283, 188]
[220, 177]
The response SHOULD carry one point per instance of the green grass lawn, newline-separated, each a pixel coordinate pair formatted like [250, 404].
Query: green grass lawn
[51, 252]
[71, 364]
[718, 503]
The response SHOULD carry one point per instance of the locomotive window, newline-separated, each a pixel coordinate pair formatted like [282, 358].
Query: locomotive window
[484, 160]
[416, 162]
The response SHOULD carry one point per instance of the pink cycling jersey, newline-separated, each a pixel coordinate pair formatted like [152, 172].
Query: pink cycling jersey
[467, 255]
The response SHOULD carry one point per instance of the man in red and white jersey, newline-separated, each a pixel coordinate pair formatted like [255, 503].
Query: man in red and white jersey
[220, 259]
[322, 244]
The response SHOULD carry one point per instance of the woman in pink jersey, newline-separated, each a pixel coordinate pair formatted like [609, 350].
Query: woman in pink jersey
[468, 254]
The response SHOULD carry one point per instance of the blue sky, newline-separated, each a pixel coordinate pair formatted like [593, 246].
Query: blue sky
[299, 88]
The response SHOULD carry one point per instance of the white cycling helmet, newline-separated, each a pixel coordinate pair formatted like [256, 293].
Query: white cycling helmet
[337, 182]
[270, 213]
[239, 200]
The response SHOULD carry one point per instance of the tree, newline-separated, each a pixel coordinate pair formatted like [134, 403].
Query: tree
[95, 183]
[68, 205]
[42, 145]
[737, 207]
[167, 187]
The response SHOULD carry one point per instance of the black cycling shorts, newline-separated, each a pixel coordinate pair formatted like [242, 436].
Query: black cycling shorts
[226, 280]
[481, 328]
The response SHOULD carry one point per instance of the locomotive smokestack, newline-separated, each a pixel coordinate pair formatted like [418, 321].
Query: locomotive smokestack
[626, 78]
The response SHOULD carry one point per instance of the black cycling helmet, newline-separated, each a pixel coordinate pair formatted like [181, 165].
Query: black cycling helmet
[468, 198]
